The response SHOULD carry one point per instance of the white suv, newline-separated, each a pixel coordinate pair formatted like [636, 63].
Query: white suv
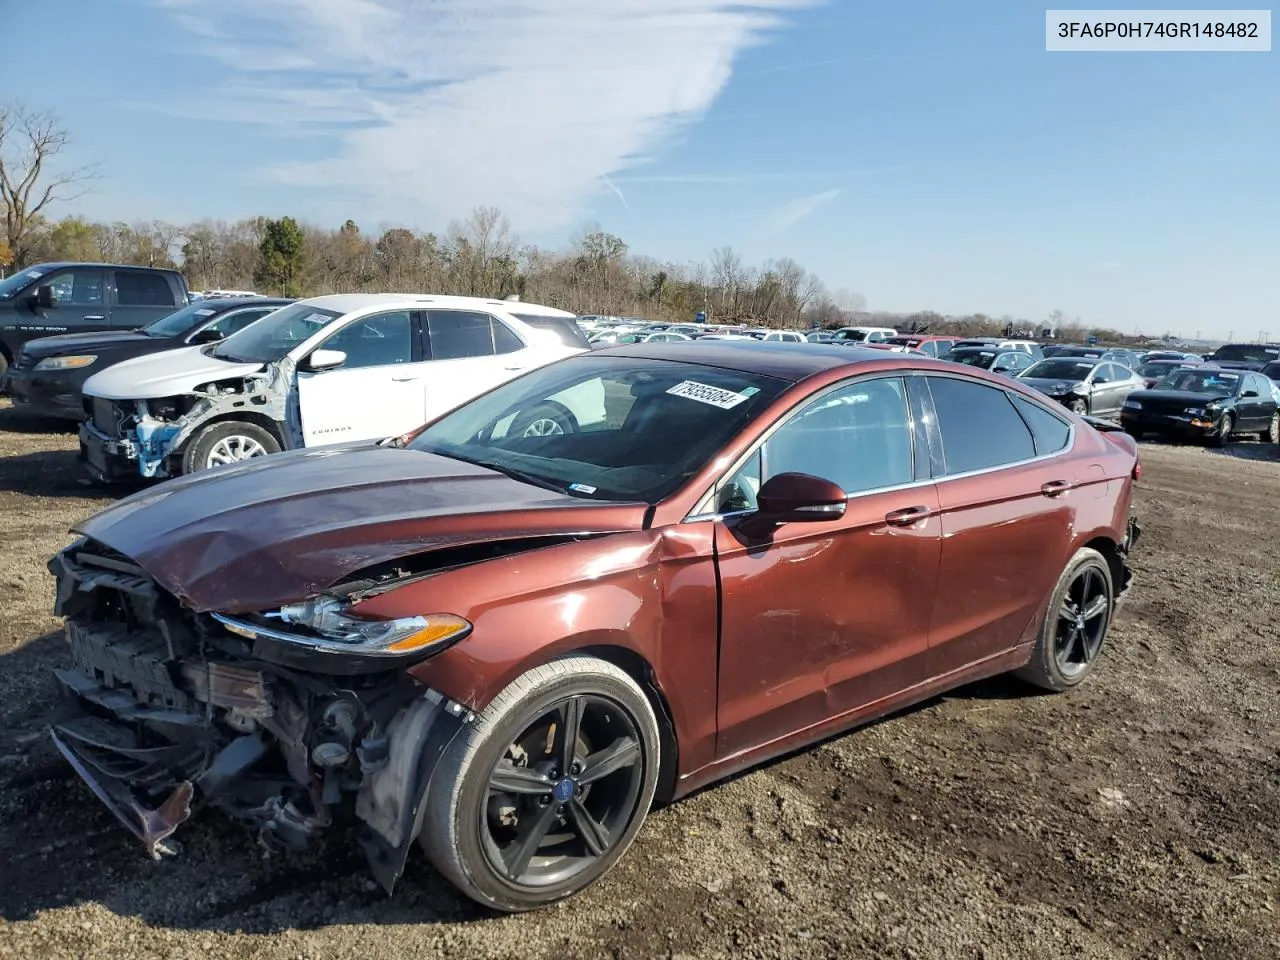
[354, 367]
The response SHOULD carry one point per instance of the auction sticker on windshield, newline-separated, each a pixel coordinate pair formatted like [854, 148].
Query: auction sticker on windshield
[703, 393]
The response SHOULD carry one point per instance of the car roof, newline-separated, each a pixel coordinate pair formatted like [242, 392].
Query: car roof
[350, 302]
[785, 360]
[223, 304]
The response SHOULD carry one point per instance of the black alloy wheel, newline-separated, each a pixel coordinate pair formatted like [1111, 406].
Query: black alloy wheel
[1082, 622]
[563, 792]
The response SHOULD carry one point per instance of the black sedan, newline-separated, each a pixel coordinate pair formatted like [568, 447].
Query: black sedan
[1008, 362]
[46, 377]
[1096, 387]
[1205, 404]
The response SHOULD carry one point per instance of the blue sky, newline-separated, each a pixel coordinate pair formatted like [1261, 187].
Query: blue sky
[928, 155]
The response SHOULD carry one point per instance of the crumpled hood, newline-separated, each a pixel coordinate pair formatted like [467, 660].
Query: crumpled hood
[281, 528]
[166, 374]
[1048, 386]
[72, 343]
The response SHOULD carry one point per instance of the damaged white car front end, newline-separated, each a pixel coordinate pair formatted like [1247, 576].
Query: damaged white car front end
[126, 435]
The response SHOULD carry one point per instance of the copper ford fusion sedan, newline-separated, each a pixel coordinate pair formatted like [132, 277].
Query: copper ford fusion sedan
[610, 581]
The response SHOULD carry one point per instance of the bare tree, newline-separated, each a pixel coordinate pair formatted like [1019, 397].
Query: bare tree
[29, 143]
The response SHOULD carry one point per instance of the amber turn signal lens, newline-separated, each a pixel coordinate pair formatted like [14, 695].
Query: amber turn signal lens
[439, 627]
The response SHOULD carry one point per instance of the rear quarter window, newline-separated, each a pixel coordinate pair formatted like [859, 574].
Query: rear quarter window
[566, 330]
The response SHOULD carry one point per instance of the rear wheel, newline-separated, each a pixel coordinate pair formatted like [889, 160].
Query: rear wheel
[1272, 433]
[1075, 624]
[546, 789]
[228, 442]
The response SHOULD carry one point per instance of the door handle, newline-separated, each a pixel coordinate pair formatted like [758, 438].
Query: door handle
[907, 516]
[1056, 488]
[405, 379]
[96, 316]
[515, 368]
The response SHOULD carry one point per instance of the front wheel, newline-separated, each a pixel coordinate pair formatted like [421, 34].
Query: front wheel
[544, 792]
[1226, 426]
[1075, 624]
[230, 441]
[547, 419]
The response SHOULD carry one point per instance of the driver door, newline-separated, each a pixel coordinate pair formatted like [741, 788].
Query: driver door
[379, 391]
[821, 619]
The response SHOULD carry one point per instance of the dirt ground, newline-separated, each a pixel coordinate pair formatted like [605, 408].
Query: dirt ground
[1136, 817]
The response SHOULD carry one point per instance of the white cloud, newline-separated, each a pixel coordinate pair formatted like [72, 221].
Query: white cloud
[801, 208]
[437, 106]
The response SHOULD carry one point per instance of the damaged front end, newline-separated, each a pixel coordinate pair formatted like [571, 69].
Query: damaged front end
[275, 725]
[146, 438]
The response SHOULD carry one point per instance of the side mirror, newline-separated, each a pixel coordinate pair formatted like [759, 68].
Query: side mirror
[325, 360]
[44, 297]
[207, 335]
[795, 498]
[1001, 369]
[1249, 393]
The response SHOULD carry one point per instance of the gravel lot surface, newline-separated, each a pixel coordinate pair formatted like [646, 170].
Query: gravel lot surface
[1136, 817]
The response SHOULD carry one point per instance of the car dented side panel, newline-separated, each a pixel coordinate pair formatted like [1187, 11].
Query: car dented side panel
[652, 594]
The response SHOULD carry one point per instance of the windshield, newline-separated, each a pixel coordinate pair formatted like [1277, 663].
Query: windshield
[566, 329]
[607, 428]
[270, 338]
[1245, 353]
[11, 285]
[1154, 369]
[1059, 368]
[179, 321]
[973, 358]
[1213, 382]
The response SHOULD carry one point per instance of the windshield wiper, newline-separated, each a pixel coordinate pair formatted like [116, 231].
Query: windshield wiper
[514, 474]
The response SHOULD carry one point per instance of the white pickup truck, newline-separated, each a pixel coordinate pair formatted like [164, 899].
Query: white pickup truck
[333, 369]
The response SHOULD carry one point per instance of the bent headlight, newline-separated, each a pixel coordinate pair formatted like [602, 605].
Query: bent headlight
[327, 625]
[67, 363]
[1194, 411]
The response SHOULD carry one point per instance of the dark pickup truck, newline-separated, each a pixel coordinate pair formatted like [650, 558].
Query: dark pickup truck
[53, 298]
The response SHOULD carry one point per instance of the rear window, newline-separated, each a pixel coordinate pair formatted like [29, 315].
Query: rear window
[566, 330]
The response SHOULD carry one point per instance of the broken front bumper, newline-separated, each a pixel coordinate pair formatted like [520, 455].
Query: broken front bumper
[107, 458]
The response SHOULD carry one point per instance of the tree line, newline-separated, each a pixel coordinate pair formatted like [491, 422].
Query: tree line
[478, 256]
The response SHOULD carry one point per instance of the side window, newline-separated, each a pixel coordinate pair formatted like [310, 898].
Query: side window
[380, 340]
[504, 340]
[234, 320]
[138, 289]
[979, 425]
[1049, 432]
[75, 288]
[1104, 373]
[858, 436]
[456, 334]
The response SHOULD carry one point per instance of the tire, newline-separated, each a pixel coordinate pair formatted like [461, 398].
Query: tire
[4, 364]
[1078, 406]
[1223, 434]
[1272, 433]
[465, 818]
[547, 419]
[1048, 668]
[225, 439]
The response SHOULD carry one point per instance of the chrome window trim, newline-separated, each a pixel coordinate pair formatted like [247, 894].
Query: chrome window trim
[697, 516]
[700, 510]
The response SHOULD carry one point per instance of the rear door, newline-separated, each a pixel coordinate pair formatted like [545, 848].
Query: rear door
[1259, 408]
[470, 352]
[138, 297]
[377, 392]
[1008, 514]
